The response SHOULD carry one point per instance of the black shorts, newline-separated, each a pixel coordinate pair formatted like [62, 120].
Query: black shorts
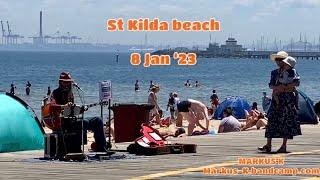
[183, 106]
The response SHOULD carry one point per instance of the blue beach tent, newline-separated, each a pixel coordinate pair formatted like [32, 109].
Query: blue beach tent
[306, 114]
[20, 129]
[238, 105]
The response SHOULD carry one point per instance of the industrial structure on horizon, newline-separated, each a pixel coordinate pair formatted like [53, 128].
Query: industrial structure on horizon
[57, 41]
[12, 39]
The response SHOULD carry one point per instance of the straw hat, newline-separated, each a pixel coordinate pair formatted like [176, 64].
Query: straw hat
[280, 54]
[290, 61]
[65, 76]
[155, 87]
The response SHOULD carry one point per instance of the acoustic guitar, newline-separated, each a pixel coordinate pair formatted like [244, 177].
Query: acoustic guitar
[53, 114]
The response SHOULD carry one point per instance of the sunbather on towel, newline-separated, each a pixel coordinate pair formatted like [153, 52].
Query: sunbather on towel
[254, 118]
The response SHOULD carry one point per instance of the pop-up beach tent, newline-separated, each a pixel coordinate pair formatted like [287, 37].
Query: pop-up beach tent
[20, 129]
[306, 113]
[238, 105]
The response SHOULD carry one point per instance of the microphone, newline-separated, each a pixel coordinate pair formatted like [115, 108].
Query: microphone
[77, 86]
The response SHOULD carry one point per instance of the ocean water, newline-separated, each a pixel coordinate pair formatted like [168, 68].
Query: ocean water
[230, 77]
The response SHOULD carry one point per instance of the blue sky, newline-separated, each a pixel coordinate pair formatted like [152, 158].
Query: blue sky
[246, 20]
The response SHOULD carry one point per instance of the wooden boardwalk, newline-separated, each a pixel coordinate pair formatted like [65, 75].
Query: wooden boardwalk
[215, 151]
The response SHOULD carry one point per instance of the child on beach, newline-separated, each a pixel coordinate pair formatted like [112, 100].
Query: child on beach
[214, 100]
[288, 76]
[170, 105]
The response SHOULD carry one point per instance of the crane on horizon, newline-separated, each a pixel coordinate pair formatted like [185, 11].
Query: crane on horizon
[3, 33]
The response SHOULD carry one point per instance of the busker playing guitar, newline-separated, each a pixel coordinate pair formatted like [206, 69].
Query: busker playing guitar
[63, 95]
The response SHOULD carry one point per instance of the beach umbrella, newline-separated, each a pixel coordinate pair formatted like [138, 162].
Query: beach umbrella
[306, 114]
[238, 105]
[20, 128]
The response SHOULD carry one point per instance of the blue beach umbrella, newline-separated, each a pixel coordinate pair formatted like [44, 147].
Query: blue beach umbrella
[20, 129]
[238, 105]
[306, 114]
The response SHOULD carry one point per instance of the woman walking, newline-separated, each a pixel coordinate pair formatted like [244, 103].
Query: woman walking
[153, 100]
[283, 121]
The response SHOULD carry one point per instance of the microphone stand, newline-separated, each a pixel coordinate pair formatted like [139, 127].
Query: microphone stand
[82, 119]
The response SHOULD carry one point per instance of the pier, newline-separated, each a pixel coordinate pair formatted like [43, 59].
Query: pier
[295, 54]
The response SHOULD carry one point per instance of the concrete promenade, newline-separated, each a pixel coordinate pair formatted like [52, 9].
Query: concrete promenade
[214, 152]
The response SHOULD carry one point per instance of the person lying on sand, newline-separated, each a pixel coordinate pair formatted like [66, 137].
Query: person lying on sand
[180, 132]
[254, 118]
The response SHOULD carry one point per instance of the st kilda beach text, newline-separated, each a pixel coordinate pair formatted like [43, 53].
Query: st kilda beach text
[146, 24]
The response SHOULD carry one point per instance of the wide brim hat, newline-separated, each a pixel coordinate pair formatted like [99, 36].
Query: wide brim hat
[65, 76]
[290, 61]
[155, 87]
[280, 54]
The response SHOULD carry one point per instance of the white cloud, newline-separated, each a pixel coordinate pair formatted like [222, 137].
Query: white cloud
[272, 8]
[169, 8]
[4, 7]
[243, 2]
[301, 3]
[129, 9]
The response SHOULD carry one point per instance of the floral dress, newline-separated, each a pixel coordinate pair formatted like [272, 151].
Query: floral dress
[283, 122]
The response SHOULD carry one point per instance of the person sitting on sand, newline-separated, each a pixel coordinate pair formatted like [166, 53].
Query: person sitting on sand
[254, 118]
[193, 111]
[229, 123]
